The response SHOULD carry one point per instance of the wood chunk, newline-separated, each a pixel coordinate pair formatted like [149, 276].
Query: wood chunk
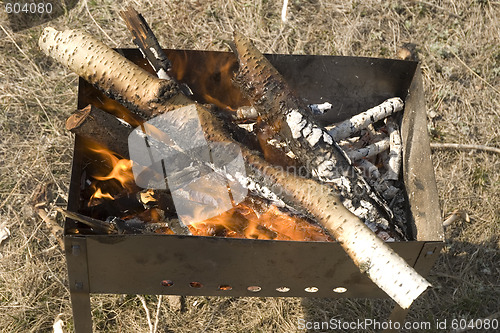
[101, 127]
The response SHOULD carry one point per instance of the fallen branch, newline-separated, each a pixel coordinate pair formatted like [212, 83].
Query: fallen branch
[455, 216]
[461, 146]
[55, 229]
[148, 317]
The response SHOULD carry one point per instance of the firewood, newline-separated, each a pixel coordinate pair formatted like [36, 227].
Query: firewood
[373, 257]
[367, 168]
[95, 224]
[249, 113]
[277, 104]
[145, 39]
[102, 66]
[101, 127]
[368, 151]
[396, 151]
[352, 125]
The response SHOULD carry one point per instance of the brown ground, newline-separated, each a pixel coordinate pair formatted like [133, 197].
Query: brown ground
[458, 45]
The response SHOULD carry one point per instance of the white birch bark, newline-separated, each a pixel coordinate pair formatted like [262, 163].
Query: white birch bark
[395, 152]
[100, 65]
[368, 151]
[350, 126]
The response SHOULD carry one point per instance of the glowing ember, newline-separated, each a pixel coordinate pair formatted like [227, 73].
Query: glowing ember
[244, 221]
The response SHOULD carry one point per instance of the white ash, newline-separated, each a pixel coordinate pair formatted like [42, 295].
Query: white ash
[162, 74]
[320, 108]
[155, 54]
[307, 130]
[325, 169]
[255, 187]
[296, 123]
[277, 143]
[327, 138]
[314, 137]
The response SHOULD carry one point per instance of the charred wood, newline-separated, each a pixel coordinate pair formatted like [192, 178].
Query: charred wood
[278, 105]
[145, 39]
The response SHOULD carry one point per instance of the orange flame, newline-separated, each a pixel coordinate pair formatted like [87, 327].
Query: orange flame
[99, 195]
[209, 76]
[244, 222]
[121, 172]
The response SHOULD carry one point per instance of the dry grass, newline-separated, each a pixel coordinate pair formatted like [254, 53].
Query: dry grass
[457, 43]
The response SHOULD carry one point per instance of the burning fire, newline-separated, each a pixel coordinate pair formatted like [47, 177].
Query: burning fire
[244, 221]
[121, 173]
[210, 79]
[252, 218]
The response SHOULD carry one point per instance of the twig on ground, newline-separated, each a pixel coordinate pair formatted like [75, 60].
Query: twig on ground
[461, 146]
[54, 228]
[457, 214]
[157, 315]
[145, 306]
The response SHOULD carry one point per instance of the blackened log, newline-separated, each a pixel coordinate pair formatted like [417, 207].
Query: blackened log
[145, 39]
[278, 105]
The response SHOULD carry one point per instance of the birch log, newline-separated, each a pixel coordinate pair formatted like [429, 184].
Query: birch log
[369, 151]
[373, 257]
[395, 152]
[278, 105]
[352, 125]
[100, 65]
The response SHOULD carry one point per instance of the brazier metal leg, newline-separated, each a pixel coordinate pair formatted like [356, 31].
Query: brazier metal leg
[78, 276]
[82, 313]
